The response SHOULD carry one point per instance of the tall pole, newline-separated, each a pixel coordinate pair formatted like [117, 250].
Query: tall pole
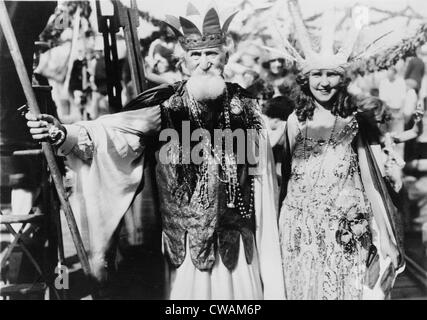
[10, 37]
[129, 21]
[108, 25]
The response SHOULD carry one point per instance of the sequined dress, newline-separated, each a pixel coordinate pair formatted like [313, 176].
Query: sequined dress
[324, 191]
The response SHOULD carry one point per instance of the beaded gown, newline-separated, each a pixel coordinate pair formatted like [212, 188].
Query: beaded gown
[324, 219]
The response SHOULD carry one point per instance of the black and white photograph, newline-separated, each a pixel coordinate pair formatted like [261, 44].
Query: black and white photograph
[227, 150]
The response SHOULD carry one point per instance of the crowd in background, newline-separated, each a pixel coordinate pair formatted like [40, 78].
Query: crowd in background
[80, 93]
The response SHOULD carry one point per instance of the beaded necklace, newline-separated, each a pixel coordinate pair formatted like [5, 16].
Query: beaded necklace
[228, 163]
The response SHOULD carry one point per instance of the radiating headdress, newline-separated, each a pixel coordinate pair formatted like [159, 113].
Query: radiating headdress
[191, 37]
[325, 57]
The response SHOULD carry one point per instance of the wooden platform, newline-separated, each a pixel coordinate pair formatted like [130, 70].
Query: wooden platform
[412, 284]
[408, 288]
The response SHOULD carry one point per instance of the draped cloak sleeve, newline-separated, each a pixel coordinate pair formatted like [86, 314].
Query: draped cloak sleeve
[109, 174]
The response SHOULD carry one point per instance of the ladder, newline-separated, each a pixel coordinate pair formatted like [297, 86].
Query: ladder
[39, 228]
[54, 172]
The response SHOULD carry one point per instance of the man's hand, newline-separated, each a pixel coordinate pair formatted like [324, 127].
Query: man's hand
[45, 127]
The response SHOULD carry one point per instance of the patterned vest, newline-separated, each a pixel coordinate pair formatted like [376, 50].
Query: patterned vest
[210, 226]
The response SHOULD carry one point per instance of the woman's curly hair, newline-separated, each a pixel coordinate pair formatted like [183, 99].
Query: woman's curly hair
[343, 103]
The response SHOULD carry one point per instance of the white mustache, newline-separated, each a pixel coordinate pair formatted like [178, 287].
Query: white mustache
[206, 87]
[211, 72]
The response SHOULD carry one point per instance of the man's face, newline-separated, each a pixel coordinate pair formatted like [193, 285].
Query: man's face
[324, 84]
[206, 61]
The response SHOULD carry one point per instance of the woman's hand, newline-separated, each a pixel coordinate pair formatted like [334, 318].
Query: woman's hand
[388, 249]
[44, 127]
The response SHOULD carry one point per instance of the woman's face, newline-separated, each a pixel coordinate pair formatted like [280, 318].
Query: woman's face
[276, 66]
[248, 60]
[324, 84]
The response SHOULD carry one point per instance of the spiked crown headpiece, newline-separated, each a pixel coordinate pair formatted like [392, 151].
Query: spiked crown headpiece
[325, 57]
[191, 37]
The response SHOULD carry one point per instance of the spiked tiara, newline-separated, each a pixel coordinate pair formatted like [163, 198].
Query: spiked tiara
[325, 57]
[191, 37]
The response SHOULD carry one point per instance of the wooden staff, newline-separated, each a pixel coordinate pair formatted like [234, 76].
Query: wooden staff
[47, 148]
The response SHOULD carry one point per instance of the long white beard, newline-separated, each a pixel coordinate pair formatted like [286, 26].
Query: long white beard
[206, 87]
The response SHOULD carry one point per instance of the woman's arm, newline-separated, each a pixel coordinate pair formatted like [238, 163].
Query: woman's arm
[291, 131]
[292, 126]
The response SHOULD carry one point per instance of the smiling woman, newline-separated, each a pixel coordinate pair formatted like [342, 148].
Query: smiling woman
[324, 85]
[324, 197]
[327, 87]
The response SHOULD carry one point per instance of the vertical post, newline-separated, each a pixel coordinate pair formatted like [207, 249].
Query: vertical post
[129, 20]
[108, 25]
[73, 50]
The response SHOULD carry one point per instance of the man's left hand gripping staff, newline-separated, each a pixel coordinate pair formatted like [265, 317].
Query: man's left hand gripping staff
[44, 127]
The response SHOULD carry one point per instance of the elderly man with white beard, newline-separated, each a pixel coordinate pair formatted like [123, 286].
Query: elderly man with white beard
[219, 218]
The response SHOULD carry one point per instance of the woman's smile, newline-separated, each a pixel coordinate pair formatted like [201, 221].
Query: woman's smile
[323, 84]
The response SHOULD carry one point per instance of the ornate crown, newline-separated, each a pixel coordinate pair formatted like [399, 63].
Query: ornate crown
[191, 37]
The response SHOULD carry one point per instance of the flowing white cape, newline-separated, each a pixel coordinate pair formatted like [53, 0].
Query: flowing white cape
[107, 184]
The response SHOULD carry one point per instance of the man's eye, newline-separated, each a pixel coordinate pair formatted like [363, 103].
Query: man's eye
[195, 55]
[212, 53]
